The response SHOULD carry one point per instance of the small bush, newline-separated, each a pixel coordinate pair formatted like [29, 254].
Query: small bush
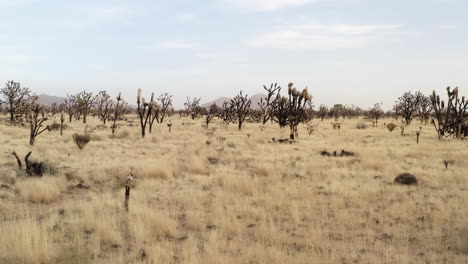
[406, 179]
[391, 127]
[361, 126]
[81, 140]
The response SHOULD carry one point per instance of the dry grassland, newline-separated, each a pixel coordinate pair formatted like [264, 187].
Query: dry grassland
[224, 196]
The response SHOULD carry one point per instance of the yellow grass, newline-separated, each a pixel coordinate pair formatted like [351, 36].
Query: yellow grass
[224, 196]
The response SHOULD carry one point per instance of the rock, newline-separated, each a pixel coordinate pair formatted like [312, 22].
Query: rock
[406, 179]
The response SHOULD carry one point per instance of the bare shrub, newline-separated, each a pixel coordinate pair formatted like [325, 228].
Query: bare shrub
[391, 127]
[81, 140]
[406, 179]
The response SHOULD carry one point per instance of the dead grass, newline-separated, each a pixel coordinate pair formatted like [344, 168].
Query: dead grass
[238, 199]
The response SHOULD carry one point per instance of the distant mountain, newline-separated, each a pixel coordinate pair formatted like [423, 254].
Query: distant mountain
[219, 102]
[255, 100]
[49, 100]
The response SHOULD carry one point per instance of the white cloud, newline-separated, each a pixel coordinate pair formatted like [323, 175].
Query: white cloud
[176, 44]
[268, 5]
[321, 36]
[184, 17]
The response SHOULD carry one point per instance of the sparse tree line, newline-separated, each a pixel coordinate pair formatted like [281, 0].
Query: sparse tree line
[450, 117]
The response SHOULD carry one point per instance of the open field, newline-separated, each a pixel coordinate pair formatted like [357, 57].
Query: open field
[227, 196]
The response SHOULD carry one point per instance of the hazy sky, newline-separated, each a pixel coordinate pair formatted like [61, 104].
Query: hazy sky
[346, 51]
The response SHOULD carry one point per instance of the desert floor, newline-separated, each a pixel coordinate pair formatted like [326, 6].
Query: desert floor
[220, 195]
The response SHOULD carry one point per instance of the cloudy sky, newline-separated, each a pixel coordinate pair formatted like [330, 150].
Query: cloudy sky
[345, 51]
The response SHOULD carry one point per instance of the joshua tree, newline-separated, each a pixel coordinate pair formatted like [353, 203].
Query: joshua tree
[165, 100]
[192, 106]
[70, 106]
[376, 112]
[211, 112]
[407, 106]
[85, 102]
[265, 103]
[15, 98]
[104, 105]
[37, 117]
[336, 111]
[280, 110]
[226, 113]
[297, 101]
[154, 116]
[241, 106]
[62, 119]
[116, 112]
[424, 107]
[144, 111]
[450, 120]
[322, 112]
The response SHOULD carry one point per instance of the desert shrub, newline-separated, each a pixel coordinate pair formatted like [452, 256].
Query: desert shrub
[391, 127]
[361, 126]
[81, 140]
[406, 179]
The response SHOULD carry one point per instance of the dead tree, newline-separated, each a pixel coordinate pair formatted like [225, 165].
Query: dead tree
[241, 106]
[36, 118]
[15, 98]
[85, 102]
[211, 112]
[29, 166]
[165, 101]
[144, 111]
[104, 105]
[265, 103]
[116, 112]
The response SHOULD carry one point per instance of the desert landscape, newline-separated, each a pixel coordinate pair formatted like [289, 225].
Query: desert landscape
[234, 132]
[219, 194]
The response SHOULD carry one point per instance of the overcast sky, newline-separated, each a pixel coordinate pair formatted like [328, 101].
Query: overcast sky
[346, 51]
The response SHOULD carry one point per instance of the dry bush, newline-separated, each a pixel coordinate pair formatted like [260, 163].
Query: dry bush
[81, 140]
[391, 127]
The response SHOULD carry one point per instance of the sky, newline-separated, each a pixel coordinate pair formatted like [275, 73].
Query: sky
[345, 51]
